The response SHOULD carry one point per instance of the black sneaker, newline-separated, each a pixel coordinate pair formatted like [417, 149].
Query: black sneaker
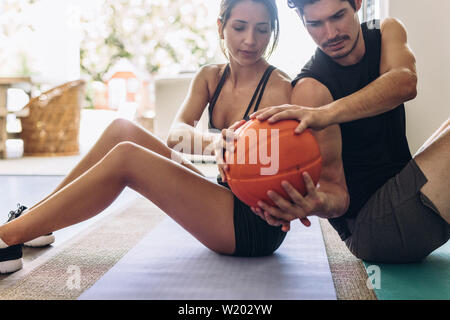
[41, 241]
[11, 257]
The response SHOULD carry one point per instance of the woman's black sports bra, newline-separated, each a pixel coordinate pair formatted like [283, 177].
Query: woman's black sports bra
[258, 93]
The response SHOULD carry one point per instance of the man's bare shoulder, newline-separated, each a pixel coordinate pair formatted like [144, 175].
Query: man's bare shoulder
[390, 24]
[310, 92]
[310, 84]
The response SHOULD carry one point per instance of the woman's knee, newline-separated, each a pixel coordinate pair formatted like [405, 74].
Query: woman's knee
[121, 130]
[120, 157]
[124, 151]
[446, 123]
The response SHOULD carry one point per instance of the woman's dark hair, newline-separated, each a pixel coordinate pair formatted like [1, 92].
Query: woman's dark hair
[226, 6]
[300, 4]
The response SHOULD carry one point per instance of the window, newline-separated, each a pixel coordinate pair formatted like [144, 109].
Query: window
[370, 10]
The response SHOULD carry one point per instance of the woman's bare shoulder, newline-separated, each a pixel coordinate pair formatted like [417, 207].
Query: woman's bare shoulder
[210, 75]
[281, 88]
[282, 75]
[211, 71]
[281, 79]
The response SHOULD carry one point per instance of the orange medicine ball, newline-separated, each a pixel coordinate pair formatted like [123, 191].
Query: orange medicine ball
[266, 154]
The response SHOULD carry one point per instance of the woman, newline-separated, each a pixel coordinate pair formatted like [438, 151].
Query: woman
[128, 156]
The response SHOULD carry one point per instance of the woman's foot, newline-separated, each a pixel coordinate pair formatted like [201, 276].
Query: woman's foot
[41, 241]
[10, 258]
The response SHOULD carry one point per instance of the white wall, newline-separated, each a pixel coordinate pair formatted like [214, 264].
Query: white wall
[295, 46]
[55, 42]
[428, 36]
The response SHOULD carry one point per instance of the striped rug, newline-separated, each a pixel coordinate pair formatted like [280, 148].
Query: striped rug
[348, 272]
[66, 271]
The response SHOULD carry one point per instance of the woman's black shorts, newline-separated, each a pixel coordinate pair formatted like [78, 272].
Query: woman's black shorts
[254, 236]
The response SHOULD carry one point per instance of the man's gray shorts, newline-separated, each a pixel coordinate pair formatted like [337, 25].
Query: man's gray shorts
[398, 224]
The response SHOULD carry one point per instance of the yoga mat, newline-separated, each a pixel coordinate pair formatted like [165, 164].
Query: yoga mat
[169, 263]
[427, 280]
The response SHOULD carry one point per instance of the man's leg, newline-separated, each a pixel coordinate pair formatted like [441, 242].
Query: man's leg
[434, 161]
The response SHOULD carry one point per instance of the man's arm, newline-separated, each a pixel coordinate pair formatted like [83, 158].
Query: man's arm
[311, 93]
[396, 84]
[330, 199]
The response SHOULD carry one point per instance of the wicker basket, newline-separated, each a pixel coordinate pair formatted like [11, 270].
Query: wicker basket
[53, 124]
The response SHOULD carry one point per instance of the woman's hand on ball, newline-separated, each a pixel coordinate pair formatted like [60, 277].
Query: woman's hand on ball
[219, 156]
[314, 118]
[225, 141]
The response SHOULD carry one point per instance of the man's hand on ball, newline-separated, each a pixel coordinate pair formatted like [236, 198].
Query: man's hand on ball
[299, 207]
[314, 118]
[266, 216]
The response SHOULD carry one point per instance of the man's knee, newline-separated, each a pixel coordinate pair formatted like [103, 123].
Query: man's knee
[399, 258]
[387, 253]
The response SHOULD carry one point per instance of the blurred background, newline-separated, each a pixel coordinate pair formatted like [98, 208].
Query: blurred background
[136, 57]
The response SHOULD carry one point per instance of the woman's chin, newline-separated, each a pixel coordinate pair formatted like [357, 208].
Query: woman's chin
[246, 62]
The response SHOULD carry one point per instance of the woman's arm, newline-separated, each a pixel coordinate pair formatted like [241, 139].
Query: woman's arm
[183, 135]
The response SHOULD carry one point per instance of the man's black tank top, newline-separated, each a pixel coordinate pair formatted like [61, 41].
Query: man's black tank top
[373, 149]
[257, 95]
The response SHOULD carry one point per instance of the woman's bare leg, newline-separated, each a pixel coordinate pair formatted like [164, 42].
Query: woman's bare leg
[203, 208]
[120, 130]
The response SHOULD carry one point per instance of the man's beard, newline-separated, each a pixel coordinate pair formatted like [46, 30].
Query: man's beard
[343, 38]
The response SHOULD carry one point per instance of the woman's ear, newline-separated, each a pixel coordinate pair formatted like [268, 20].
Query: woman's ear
[220, 27]
[358, 4]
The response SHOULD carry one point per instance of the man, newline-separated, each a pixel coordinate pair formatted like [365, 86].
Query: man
[358, 80]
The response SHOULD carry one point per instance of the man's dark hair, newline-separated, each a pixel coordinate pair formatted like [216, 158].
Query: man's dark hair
[300, 4]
